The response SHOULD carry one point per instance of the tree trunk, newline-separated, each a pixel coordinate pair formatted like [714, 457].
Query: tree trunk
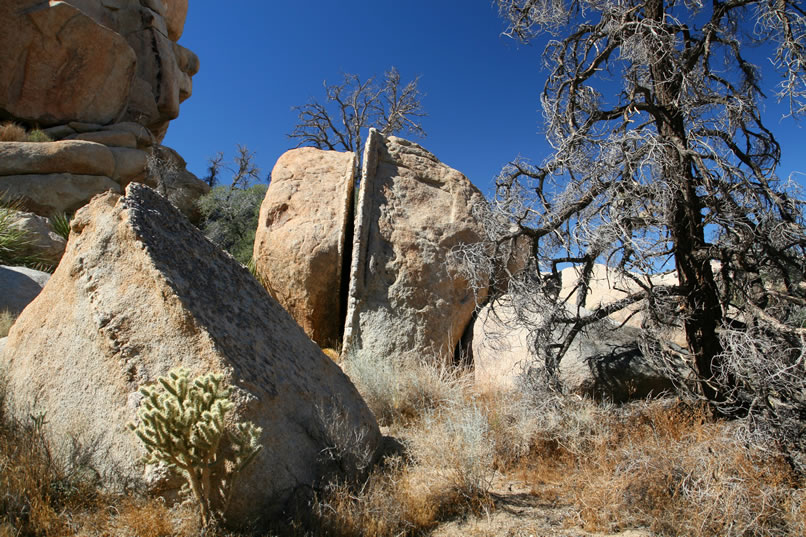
[701, 307]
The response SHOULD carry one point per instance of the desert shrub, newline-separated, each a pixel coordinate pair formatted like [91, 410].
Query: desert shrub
[6, 322]
[230, 218]
[399, 391]
[11, 132]
[38, 135]
[14, 242]
[36, 489]
[455, 444]
[60, 222]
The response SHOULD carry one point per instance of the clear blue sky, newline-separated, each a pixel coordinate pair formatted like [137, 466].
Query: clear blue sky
[260, 58]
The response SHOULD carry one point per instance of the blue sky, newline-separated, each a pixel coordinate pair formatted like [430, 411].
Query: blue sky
[260, 58]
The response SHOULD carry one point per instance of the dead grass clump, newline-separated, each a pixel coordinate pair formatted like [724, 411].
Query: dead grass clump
[663, 465]
[6, 322]
[11, 132]
[36, 490]
[398, 499]
[678, 472]
[400, 392]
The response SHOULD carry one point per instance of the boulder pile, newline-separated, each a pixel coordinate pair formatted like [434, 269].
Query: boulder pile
[102, 81]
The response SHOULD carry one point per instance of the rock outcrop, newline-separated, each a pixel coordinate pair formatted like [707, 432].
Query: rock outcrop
[405, 298]
[140, 291]
[96, 62]
[604, 361]
[391, 289]
[103, 80]
[300, 239]
[20, 285]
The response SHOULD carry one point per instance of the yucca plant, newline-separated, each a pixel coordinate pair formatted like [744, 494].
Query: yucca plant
[14, 241]
[60, 222]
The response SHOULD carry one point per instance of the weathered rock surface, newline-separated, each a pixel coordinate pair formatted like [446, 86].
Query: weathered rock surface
[113, 138]
[50, 49]
[56, 192]
[77, 157]
[405, 298]
[121, 56]
[43, 242]
[604, 361]
[140, 291]
[299, 245]
[19, 286]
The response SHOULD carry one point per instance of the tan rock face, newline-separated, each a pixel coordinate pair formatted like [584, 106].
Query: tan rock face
[97, 62]
[51, 50]
[299, 245]
[405, 298]
[55, 193]
[603, 361]
[78, 157]
[140, 291]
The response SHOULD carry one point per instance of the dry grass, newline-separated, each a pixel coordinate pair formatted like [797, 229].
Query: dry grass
[664, 466]
[11, 132]
[6, 322]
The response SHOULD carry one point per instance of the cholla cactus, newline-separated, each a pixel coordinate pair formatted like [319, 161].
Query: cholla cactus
[181, 424]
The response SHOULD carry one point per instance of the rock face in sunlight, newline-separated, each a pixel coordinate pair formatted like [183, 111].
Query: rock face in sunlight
[604, 361]
[140, 291]
[102, 80]
[405, 297]
[94, 62]
[299, 245]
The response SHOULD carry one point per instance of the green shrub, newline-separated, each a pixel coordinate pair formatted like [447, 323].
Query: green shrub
[14, 242]
[61, 224]
[182, 423]
[38, 135]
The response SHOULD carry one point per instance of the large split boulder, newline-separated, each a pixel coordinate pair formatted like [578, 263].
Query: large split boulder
[604, 360]
[299, 245]
[140, 291]
[406, 298]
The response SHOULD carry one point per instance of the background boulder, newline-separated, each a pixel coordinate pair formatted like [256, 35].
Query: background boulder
[20, 285]
[299, 245]
[604, 361]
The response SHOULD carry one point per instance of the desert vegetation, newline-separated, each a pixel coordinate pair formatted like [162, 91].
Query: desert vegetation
[11, 132]
[469, 464]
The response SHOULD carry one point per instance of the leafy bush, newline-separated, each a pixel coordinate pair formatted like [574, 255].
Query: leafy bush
[182, 424]
[230, 218]
[38, 135]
